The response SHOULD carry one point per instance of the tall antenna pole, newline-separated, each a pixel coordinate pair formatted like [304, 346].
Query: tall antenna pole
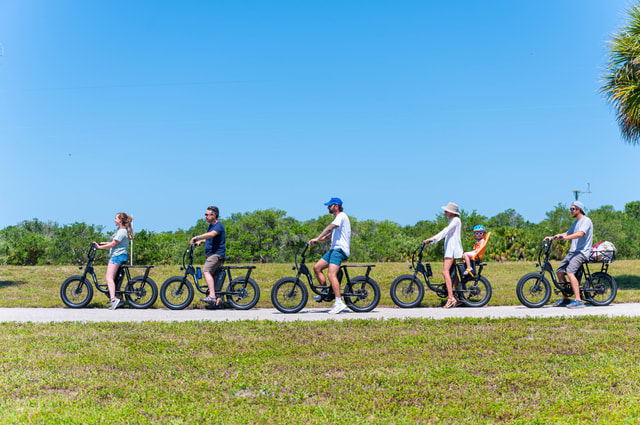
[578, 192]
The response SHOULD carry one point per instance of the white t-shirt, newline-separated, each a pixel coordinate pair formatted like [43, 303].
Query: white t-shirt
[452, 240]
[341, 235]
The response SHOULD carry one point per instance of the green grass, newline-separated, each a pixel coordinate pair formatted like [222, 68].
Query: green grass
[476, 371]
[39, 286]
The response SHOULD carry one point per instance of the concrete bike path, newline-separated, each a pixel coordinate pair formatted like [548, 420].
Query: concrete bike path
[45, 315]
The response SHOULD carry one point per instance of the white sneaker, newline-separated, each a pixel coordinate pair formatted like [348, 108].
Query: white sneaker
[337, 307]
[115, 303]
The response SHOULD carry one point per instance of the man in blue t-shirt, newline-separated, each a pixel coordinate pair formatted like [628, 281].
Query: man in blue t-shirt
[581, 236]
[215, 249]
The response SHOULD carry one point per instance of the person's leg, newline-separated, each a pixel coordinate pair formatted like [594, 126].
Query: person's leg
[335, 260]
[318, 269]
[467, 256]
[112, 269]
[446, 273]
[209, 272]
[575, 285]
[467, 259]
[575, 263]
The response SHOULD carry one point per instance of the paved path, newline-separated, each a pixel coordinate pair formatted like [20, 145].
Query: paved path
[43, 315]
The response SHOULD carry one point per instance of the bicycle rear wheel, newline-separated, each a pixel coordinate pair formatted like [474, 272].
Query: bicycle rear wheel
[601, 289]
[361, 294]
[141, 292]
[475, 294]
[243, 294]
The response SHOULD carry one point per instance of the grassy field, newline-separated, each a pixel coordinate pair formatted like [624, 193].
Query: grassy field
[39, 286]
[472, 371]
[522, 371]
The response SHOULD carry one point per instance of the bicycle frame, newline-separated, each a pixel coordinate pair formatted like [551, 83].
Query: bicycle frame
[123, 271]
[326, 292]
[544, 266]
[440, 288]
[221, 275]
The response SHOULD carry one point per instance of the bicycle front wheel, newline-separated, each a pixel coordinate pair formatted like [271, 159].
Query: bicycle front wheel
[533, 290]
[289, 295]
[243, 294]
[407, 291]
[362, 294]
[475, 294]
[76, 292]
[141, 292]
[601, 289]
[176, 292]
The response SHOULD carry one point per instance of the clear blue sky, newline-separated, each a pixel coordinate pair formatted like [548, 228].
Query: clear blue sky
[160, 109]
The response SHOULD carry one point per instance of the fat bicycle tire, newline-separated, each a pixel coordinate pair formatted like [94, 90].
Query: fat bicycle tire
[241, 296]
[361, 294]
[141, 292]
[475, 293]
[176, 292]
[289, 295]
[76, 292]
[407, 291]
[533, 290]
[601, 289]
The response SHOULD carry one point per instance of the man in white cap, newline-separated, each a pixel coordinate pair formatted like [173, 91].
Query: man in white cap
[340, 232]
[581, 236]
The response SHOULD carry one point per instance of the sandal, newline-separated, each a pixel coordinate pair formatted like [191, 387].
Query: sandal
[468, 272]
[451, 303]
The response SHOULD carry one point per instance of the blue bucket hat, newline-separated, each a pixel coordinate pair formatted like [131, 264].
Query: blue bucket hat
[333, 201]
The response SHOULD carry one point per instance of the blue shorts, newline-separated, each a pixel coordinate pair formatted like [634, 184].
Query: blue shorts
[119, 259]
[335, 256]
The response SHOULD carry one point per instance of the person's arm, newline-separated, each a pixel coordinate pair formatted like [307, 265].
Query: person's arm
[441, 234]
[199, 239]
[325, 234]
[566, 235]
[106, 245]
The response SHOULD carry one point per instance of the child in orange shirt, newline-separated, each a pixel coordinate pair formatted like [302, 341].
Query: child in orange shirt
[480, 234]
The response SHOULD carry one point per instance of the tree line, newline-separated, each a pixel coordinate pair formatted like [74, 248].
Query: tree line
[270, 236]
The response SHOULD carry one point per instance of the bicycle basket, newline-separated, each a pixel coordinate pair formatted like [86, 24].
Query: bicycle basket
[603, 252]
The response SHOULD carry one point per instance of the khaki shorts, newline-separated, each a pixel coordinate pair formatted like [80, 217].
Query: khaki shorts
[212, 264]
[571, 263]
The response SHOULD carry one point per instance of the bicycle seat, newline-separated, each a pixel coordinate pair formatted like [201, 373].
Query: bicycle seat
[225, 258]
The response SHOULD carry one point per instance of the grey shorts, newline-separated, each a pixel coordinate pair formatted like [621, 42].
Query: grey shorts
[212, 264]
[571, 263]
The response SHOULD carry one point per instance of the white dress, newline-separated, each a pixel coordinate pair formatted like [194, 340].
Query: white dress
[452, 240]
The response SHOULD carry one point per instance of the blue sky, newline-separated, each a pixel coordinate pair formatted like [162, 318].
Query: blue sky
[160, 109]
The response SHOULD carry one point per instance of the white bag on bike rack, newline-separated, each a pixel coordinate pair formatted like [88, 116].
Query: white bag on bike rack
[603, 251]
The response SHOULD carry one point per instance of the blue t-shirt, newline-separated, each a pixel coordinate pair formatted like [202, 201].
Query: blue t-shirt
[217, 244]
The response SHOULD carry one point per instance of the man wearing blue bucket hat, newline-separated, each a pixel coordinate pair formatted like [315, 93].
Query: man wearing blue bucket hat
[581, 236]
[340, 231]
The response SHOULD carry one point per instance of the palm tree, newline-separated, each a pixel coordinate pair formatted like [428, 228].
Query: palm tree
[621, 85]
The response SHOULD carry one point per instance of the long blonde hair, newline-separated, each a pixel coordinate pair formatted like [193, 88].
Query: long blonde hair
[126, 222]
